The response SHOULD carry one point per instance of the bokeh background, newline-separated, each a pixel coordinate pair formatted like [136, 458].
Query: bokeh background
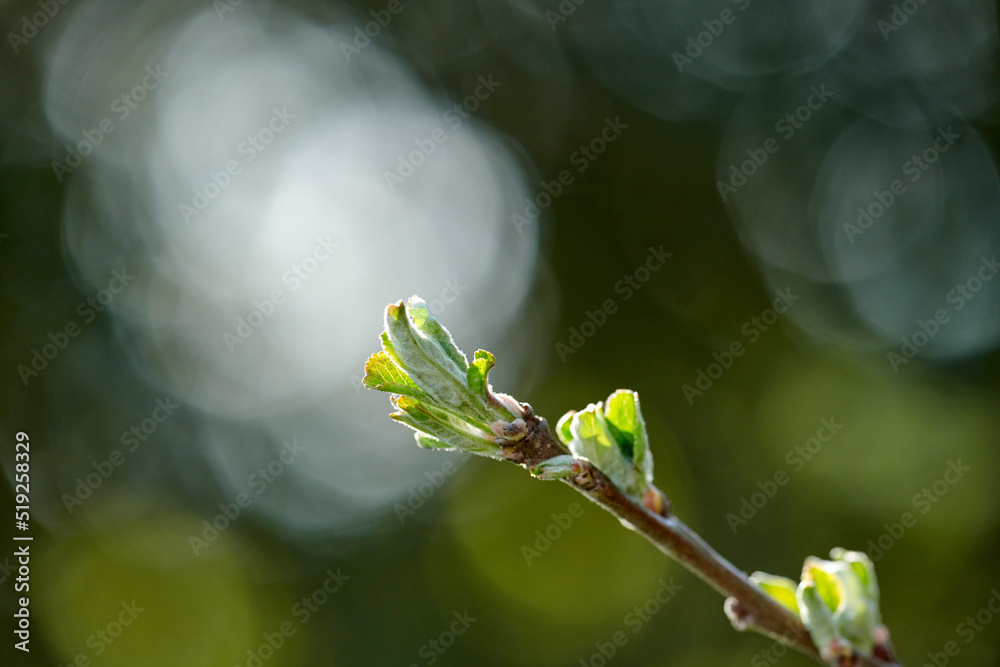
[206, 206]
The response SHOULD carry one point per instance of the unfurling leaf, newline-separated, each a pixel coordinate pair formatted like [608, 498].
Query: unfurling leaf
[435, 389]
[838, 601]
[382, 374]
[612, 436]
[781, 589]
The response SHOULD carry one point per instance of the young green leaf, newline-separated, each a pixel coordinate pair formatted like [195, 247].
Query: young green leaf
[383, 374]
[829, 587]
[480, 367]
[428, 325]
[563, 430]
[629, 428]
[427, 363]
[836, 603]
[428, 442]
[781, 589]
[428, 421]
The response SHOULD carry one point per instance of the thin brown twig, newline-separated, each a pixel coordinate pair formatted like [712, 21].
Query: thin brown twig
[748, 606]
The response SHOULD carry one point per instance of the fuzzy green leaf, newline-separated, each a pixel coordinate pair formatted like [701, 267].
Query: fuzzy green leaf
[427, 442]
[816, 616]
[428, 325]
[829, 587]
[427, 363]
[781, 589]
[430, 421]
[478, 371]
[625, 421]
[563, 430]
[863, 568]
[593, 439]
[384, 375]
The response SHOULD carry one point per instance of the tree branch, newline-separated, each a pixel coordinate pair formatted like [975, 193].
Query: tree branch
[748, 606]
